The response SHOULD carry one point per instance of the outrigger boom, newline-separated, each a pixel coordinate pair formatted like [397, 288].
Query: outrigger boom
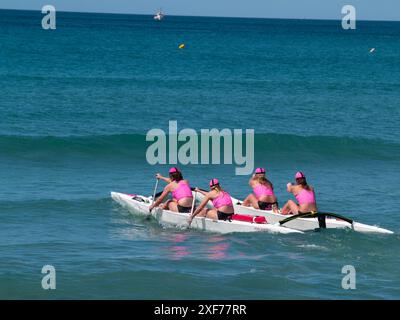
[320, 216]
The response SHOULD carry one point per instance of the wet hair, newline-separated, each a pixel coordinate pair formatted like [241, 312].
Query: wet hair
[264, 181]
[176, 176]
[303, 182]
[216, 187]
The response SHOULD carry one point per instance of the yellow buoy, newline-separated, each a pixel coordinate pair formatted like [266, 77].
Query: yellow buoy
[181, 46]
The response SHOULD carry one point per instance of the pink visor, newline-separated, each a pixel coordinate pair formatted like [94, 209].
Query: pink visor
[299, 175]
[260, 170]
[213, 182]
[173, 170]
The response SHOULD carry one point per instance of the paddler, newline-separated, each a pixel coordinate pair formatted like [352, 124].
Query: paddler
[263, 196]
[221, 200]
[182, 197]
[304, 194]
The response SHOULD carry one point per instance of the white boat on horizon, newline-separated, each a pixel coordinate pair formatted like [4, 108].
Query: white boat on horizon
[159, 15]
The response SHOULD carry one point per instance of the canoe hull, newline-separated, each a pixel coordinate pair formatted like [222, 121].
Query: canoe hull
[169, 218]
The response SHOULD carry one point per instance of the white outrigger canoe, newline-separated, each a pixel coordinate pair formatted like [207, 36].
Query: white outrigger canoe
[137, 204]
[303, 224]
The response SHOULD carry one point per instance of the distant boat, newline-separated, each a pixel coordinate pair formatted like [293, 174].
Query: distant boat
[159, 15]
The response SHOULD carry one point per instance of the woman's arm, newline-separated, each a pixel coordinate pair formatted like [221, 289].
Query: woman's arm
[315, 197]
[251, 180]
[289, 187]
[201, 191]
[160, 199]
[160, 177]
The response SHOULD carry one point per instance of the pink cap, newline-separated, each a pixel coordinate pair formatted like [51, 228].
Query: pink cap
[213, 182]
[173, 170]
[299, 175]
[260, 170]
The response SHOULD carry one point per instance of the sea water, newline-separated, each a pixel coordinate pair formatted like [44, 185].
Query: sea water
[76, 104]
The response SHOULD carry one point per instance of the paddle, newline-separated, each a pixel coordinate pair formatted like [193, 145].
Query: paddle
[155, 190]
[192, 209]
[193, 202]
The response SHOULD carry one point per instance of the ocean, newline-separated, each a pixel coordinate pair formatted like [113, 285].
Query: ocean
[76, 104]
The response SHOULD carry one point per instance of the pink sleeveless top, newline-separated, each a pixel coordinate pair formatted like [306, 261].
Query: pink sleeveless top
[182, 191]
[305, 196]
[224, 199]
[261, 190]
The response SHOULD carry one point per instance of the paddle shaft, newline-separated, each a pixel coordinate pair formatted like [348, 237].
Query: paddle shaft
[193, 202]
[155, 190]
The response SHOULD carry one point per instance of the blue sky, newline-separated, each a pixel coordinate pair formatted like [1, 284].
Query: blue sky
[311, 9]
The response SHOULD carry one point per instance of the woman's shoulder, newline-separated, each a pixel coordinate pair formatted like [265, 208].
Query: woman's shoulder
[213, 193]
[254, 183]
[296, 188]
[172, 184]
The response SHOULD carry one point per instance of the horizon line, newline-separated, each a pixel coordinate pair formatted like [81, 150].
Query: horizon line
[198, 16]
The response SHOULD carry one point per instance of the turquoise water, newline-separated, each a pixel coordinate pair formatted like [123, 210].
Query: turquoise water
[75, 107]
